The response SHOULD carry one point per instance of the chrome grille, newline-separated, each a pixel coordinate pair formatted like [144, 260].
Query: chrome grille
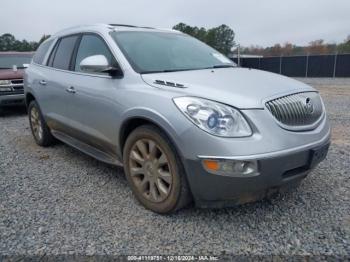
[17, 81]
[15, 86]
[297, 110]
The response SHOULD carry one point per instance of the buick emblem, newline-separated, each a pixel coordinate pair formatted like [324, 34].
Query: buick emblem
[309, 106]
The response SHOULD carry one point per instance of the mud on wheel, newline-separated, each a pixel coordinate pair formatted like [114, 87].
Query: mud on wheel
[154, 171]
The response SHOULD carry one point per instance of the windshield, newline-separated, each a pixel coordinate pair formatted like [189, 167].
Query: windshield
[150, 52]
[7, 61]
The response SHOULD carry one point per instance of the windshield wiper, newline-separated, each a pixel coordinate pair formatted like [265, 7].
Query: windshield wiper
[165, 71]
[186, 69]
[222, 66]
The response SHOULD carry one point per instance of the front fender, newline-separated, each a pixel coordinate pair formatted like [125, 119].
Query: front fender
[163, 121]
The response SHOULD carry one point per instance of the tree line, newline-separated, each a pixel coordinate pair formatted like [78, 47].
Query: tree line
[317, 47]
[9, 43]
[220, 38]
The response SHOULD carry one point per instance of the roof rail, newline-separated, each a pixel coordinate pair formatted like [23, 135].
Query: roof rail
[124, 25]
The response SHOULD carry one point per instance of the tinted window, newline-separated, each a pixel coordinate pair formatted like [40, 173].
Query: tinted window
[92, 45]
[41, 52]
[64, 52]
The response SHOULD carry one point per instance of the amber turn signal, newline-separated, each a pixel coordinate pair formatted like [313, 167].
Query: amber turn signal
[211, 164]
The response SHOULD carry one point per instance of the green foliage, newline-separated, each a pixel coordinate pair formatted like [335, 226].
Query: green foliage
[345, 46]
[220, 38]
[9, 43]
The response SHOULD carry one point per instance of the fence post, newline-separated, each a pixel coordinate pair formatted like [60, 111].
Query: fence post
[307, 64]
[281, 65]
[335, 64]
[239, 55]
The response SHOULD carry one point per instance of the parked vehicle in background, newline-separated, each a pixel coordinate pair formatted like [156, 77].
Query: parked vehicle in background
[187, 124]
[12, 65]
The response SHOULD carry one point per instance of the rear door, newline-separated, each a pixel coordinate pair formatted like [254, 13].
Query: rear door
[36, 75]
[58, 81]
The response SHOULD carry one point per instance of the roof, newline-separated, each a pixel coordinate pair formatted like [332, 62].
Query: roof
[108, 27]
[132, 26]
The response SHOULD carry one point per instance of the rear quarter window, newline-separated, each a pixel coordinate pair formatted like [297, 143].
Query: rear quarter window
[40, 54]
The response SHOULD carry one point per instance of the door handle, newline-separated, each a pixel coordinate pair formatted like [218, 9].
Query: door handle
[71, 90]
[43, 82]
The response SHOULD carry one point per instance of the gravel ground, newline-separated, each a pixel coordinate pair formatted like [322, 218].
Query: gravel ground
[59, 201]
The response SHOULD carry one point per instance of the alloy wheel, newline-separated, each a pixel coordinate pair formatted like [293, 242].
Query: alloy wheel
[36, 123]
[150, 170]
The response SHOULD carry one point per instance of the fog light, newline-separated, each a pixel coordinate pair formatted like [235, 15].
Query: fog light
[5, 82]
[237, 168]
[5, 89]
[240, 166]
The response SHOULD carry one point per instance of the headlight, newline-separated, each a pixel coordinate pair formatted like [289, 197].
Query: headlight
[215, 118]
[5, 82]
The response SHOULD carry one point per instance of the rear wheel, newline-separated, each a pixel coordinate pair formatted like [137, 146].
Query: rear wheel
[154, 171]
[40, 130]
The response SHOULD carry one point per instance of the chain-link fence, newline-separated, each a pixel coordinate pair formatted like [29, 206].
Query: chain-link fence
[336, 65]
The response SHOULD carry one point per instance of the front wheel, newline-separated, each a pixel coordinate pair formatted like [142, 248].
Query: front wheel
[154, 170]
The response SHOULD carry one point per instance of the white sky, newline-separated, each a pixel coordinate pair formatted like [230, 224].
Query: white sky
[255, 22]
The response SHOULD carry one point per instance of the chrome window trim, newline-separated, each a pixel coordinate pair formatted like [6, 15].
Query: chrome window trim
[73, 72]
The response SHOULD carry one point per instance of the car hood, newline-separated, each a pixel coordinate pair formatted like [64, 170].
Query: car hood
[240, 87]
[7, 74]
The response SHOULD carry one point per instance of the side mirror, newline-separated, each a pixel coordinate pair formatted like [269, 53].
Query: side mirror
[99, 64]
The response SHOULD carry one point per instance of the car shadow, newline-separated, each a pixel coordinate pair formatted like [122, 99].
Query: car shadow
[13, 111]
[115, 175]
[90, 161]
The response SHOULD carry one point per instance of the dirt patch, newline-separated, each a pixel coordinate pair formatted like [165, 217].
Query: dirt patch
[334, 90]
[340, 134]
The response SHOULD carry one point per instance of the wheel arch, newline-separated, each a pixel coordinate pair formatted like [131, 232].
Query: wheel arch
[29, 98]
[131, 123]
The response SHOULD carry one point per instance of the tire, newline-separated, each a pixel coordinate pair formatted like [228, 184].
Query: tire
[40, 130]
[157, 179]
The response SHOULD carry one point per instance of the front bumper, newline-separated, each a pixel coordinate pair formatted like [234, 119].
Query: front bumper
[277, 171]
[12, 100]
[283, 158]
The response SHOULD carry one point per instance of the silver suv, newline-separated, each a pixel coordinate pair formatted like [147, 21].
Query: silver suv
[184, 121]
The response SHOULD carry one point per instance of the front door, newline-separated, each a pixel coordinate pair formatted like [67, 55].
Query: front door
[93, 106]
